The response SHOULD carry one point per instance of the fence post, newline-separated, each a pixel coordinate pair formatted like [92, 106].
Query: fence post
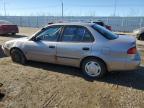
[108, 20]
[47, 19]
[20, 21]
[37, 20]
[141, 21]
[28, 21]
[122, 22]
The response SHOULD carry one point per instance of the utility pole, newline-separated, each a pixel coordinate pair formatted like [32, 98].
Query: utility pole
[62, 9]
[62, 13]
[115, 7]
[4, 7]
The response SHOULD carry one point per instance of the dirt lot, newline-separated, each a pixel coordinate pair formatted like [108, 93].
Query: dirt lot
[42, 85]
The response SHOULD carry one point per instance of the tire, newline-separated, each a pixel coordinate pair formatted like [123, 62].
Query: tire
[138, 37]
[13, 33]
[141, 36]
[18, 57]
[93, 68]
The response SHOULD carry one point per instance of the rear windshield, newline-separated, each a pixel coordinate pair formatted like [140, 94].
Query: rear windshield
[106, 33]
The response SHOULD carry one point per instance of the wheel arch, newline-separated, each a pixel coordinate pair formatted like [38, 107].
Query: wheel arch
[14, 48]
[17, 49]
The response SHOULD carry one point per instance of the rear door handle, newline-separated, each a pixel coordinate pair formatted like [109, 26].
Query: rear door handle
[86, 49]
[51, 46]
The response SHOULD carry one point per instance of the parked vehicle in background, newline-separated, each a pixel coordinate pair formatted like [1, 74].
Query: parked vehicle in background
[101, 23]
[88, 46]
[108, 27]
[139, 33]
[8, 28]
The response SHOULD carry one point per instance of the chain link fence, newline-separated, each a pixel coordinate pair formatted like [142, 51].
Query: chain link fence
[123, 24]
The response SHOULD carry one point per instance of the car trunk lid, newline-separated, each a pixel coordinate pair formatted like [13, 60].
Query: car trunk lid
[123, 46]
[125, 41]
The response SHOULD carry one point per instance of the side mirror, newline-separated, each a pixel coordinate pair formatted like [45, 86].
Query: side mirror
[36, 39]
[43, 29]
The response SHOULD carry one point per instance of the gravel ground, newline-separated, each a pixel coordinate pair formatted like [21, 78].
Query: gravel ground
[42, 85]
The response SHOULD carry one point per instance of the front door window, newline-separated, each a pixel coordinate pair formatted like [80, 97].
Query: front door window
[49, 34]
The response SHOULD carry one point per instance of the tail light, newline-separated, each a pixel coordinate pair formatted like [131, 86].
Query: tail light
[109, 27]
[132, 50]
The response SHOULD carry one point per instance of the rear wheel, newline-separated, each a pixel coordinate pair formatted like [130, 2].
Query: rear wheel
[13, 33]
[93, 68]
[17, 56]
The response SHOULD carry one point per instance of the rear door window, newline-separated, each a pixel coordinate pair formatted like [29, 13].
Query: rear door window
[88, 36]
[76, 34]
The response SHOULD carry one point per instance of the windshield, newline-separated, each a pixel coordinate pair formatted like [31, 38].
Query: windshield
[106, 33]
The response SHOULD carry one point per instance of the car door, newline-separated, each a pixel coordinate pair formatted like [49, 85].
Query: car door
[43, 46]
[75, 43]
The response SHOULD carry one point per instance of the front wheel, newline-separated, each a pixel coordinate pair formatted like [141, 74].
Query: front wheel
[93, 68]
[17, 56]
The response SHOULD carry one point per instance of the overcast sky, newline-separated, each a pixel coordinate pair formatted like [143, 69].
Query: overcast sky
[73, 7]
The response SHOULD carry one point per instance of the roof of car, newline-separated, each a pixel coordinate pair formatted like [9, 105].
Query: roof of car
[4, 22]
[74, 23]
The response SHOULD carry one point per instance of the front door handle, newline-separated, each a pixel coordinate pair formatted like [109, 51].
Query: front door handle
[51, 46]
[86, 49]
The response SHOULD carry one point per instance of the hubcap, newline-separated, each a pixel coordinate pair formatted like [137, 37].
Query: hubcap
[93, 68]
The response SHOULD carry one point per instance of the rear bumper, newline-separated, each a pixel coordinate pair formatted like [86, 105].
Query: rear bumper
[133, 65]
[6, 32]
[128, 64]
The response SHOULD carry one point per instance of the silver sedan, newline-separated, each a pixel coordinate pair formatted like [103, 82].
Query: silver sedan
[88, 46]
